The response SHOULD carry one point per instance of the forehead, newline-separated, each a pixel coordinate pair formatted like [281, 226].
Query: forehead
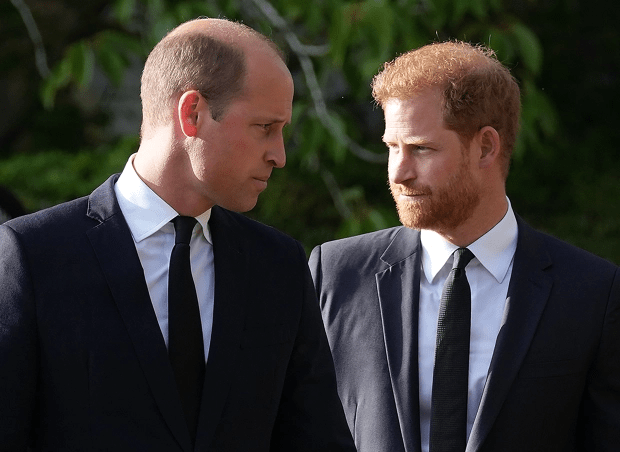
[268, 85]
[267, 94]
[420, 114]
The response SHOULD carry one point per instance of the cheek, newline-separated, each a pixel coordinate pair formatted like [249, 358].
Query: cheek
[239, 149]
[393, 165]
[199, 160]
[437, 171]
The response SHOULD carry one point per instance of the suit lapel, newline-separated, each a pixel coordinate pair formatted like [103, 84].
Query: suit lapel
[398, 288]
[231, 265]
[528, 292]
[128, 288]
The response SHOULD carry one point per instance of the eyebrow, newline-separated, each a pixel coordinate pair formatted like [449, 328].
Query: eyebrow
[414, 141]
[273, 120]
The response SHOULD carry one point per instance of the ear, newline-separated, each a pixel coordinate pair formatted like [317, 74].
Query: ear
[190, 112]
[490, 146]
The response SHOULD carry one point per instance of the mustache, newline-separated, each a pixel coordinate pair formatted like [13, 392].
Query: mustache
[410, 190]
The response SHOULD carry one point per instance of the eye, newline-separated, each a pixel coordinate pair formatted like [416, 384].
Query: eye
[392, 147]
[421, 150]
[265, 127]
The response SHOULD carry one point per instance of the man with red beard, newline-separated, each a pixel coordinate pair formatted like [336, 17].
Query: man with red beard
[540, 326]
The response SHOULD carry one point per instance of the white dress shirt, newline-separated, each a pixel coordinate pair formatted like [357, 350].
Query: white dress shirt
[488, 275]
[148, 217]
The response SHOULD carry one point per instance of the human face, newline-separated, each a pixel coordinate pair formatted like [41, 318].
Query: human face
[430, 173]
[232, 158]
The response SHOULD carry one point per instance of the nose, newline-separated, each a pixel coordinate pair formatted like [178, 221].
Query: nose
[276, 154]
[401, 166]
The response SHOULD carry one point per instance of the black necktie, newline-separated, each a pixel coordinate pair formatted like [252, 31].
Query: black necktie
[185, 343]
[449, 398]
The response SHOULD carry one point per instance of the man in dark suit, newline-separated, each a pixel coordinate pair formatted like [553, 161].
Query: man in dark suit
[543, 371]
[86, 329]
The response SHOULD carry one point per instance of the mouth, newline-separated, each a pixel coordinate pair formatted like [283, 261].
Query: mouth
[412, 198]
[261, 182]
[410, 192]
[412, 195]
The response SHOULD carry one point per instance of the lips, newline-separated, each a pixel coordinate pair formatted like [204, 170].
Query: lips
[261, 182]
[411, 193]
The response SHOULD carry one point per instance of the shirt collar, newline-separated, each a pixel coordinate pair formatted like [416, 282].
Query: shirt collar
[144, 211]
[494, 250]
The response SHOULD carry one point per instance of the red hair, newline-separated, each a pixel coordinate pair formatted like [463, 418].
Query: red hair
[477, 89]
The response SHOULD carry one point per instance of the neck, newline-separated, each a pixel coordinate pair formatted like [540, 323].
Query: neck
[487, 214]
[160, 163]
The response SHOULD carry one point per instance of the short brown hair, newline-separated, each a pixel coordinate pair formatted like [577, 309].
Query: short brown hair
[194, 60]
[477, 89]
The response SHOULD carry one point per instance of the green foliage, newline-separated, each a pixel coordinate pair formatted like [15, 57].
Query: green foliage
[335, 181]
[110, 49]
[529, 47]
[124, 10]
[54, 176]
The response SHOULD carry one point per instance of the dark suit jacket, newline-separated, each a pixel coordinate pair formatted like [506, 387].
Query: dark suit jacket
[554, 379]
[84, 367]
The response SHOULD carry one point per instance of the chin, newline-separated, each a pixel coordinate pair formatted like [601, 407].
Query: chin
[416, 216]
[240, 207]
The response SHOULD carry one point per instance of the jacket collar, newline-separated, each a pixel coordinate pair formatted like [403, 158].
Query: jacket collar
[112, 243]
[528, 292]
[398, 290]
[230, 251]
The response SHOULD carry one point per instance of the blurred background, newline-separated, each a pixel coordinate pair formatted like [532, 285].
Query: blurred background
[70, 107]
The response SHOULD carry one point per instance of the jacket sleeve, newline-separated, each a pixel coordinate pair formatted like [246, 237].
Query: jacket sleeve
[311, 417]
[18, 345]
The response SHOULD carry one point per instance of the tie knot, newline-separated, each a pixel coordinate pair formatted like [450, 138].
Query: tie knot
[462, 257]
[183, 227]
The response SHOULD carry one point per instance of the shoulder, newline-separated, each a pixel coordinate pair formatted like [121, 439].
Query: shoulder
[62, 217]
[536, 247]
[364, 251]
[38, 239]
[370, 244]
[62, 224]
[74, 215]
[547, 246]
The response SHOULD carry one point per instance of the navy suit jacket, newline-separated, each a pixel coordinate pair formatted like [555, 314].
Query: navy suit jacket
[554, 379]
[84, 367]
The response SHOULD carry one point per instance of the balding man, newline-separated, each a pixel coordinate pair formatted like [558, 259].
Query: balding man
[149, 316]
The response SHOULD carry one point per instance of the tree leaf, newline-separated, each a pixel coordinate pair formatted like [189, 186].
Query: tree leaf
[339, 33]
[529, 47]
[59, 77]
[120, 42]
[112, 63]
[82, 63]
[123, 10]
